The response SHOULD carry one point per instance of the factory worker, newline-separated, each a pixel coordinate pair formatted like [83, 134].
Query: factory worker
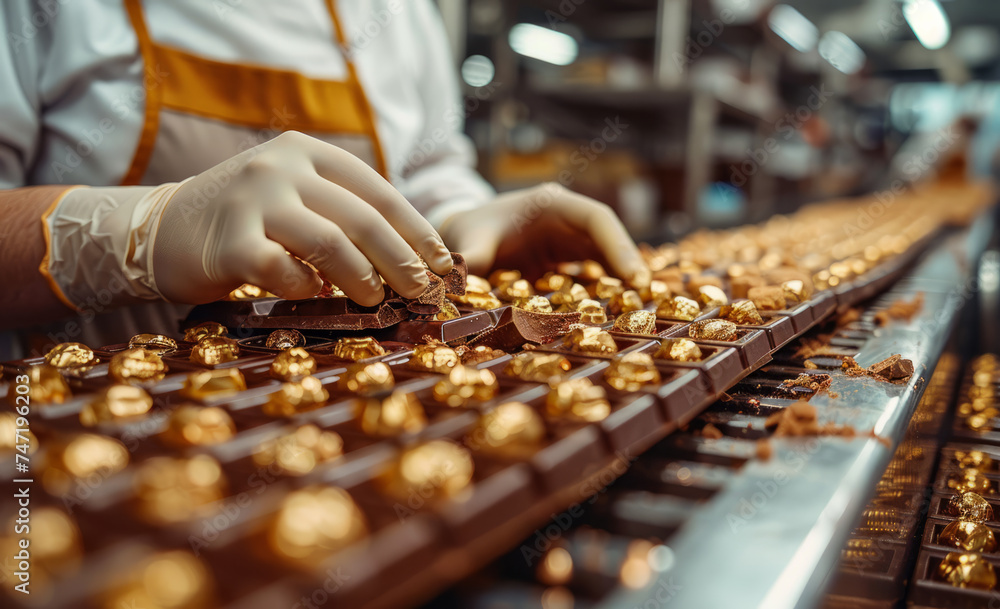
[159, 153]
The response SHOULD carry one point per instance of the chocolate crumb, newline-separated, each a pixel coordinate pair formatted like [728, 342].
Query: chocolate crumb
[809, 365]
[901, 309]
[813, 382]
[711, 432]
[800, 419]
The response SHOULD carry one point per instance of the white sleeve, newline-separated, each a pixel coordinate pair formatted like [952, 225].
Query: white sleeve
[20, 105]
[440, 174]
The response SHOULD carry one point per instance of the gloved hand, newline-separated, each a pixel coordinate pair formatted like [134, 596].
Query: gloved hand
[533, 229]
[195, 241]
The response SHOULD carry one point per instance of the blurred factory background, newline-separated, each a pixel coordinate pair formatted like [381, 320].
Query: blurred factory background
[688, 113]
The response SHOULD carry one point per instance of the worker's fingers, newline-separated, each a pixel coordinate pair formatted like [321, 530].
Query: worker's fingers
[479, 247]
[391, 256]
[324, 245]
[265, 263]
[602, 224]
[351, 173]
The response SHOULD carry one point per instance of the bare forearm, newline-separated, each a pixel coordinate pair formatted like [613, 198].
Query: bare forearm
[25, 295]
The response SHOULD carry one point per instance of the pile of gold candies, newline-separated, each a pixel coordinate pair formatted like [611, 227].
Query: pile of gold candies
[978, 406]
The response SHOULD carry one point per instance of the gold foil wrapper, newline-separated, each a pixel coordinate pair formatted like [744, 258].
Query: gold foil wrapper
[968, 536]
[538, 367]
[204, 330]
[215, 350]
[480, 301]
[679, 308]
[136, 365]
[966, 571]
[172, 490]
[591, 312]
[70, 355]
[570, 299]
[116, 403]
[432, 470]
[515, 290]
[199, 426]
[657, 291]
[626, 302]
[631, 372]
[713, 329]
[299, 451]
[293, 364]
[606, 288]
[433, 358]
[285, 339]
[768, 298]
[294, 397]
[578, 400]
[464, 386]
[535, 304]
[553, 282]
[636, 322]
[742, 312]
[678, 350]
[356, 349]
[213, 384]
[157, 343]
[313, 524]
[582, 270]
[397, 414]
[710, 296]
[502, 276]
[448, 311]
[79, 456]
[970, 481]
[474, 283]
[162, 580]
[592, 340]
[479, 354]
[366, 378]
[795, 291]
[45, 386]
[971, 507]
[512, 429]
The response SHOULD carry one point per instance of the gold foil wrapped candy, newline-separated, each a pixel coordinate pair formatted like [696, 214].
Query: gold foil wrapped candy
[968, 536]
[70, 355]
[293, 364]
[975, 459]
[631, 372]
[164, 580]
[45, 386]
[199, 426]
[678, 350]
[553, 282]
[481, 301]
[971, 507]
[213, 384]
[399, 413]
[448, 311]
[539, 367]
[116, 403]
[578, 400]
[627, 301]
[534, 304]
[657, 291]
[515, 290]
[679, 308]
[591, 312]
[768, 298]
[742, 312]
[366, 378]
[80, 456]
[710, 296]
[474, 283]
[569, 299]
[713, 329]
[970, 480]
[592, 340]
[502, 276]
[171, 490]
[480, 354]
[463, 386]
[299, 451]
[511, 429]
[157, 343]
[428, 471]
[285, 339]
[248, 291]
[204, 330]
[433, 358]
[636, 322]
[796, 291]
[54, 546]
[606, 288]
[315, 523]
[298, 396]
[358, 348]
[966, 571]
[215, 350]
[136, 364]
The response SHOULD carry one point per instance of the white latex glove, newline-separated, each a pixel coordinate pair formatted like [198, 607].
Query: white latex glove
[533, 229]
[196, 241]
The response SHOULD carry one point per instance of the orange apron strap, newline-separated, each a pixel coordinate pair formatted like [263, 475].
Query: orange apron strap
[151, 124]
[352, 78]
